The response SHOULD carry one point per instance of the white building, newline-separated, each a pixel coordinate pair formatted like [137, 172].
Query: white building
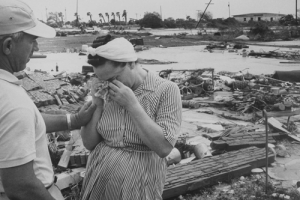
[258, 17]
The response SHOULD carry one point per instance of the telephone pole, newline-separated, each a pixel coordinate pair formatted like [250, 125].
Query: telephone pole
[296, 12]
[229, 8]
[203, 13]
[198, 14]
[77, 14]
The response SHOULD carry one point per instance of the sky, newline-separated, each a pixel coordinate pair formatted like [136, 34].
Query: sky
[168, 8]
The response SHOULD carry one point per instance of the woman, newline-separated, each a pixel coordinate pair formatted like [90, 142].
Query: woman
[131, 133]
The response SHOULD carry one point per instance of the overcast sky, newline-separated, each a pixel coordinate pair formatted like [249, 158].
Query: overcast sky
[168, 8]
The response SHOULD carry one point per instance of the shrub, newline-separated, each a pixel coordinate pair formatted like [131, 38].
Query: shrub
[151, 20]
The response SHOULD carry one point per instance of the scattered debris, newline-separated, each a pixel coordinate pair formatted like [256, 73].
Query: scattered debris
[214, 152]
[154, 62]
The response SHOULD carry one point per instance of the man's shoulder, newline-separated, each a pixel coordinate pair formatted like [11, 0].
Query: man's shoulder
[13, 98]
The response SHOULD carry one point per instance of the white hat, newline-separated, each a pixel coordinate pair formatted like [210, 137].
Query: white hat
[119, 49]
[16, 16]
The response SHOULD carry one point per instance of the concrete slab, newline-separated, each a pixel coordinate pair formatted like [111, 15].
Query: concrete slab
[290, 171]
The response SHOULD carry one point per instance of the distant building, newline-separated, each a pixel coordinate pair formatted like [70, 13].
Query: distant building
[258, 17]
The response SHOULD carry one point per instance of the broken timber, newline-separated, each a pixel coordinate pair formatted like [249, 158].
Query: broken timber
[244, 140]
[208, 171]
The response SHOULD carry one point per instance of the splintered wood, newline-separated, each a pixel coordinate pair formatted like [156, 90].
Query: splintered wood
[208, 171]
[244, 140]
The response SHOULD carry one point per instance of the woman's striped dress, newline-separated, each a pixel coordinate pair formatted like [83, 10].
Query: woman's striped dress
[122, 166]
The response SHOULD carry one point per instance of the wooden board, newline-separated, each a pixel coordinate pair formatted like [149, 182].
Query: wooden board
[205, 172]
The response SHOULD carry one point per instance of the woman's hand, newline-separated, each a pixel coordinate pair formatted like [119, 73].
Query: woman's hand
[122, 94]
[96, 100]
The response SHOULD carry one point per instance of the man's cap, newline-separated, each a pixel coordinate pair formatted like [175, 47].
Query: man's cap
[16, 16]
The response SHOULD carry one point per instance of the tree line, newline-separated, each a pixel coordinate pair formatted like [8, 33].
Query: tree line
[154, 20]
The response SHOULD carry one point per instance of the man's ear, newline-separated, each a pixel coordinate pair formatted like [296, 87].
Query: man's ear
[7, 46]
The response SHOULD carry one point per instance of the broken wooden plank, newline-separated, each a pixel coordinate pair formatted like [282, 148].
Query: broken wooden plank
[200, 173]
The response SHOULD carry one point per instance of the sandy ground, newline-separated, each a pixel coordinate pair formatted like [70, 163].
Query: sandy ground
[190, 57]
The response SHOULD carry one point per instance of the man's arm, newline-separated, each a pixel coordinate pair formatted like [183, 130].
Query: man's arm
[55, 122]
[21, 183]
[59, 122]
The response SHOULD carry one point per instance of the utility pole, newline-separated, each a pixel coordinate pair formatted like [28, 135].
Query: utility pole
[203, 13]
[198, 14]
[77, 14]
[65, 14]
[46, 15]
[161, 14]
[296, 12]
[77, 7]
[229, 8]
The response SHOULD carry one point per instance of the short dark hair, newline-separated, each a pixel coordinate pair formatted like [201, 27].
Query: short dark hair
[99, 60]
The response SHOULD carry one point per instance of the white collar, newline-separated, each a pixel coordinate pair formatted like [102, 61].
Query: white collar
[7, 76]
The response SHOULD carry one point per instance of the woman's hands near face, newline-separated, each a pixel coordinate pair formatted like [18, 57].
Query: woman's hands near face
[122, 94]
[96, 100]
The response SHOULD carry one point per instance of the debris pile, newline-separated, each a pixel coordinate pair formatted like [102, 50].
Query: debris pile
[280, 54]
[192, 83]
[54, 93]
[224, 149]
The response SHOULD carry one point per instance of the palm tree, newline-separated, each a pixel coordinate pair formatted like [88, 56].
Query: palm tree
[61, 16]
[89, 14]
[113, 14]
[77, 18]
[125, 16]
[118, 15]
[107, 15]
[100, 15]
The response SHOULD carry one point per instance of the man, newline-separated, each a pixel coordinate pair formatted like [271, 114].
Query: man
[25, 166]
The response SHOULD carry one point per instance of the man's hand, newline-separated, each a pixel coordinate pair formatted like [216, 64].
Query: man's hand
[84, 115]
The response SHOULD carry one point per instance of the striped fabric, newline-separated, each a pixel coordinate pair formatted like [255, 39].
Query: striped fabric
[122, 167]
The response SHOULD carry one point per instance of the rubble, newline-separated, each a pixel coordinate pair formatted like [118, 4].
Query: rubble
[233, 149]
[53, 93]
